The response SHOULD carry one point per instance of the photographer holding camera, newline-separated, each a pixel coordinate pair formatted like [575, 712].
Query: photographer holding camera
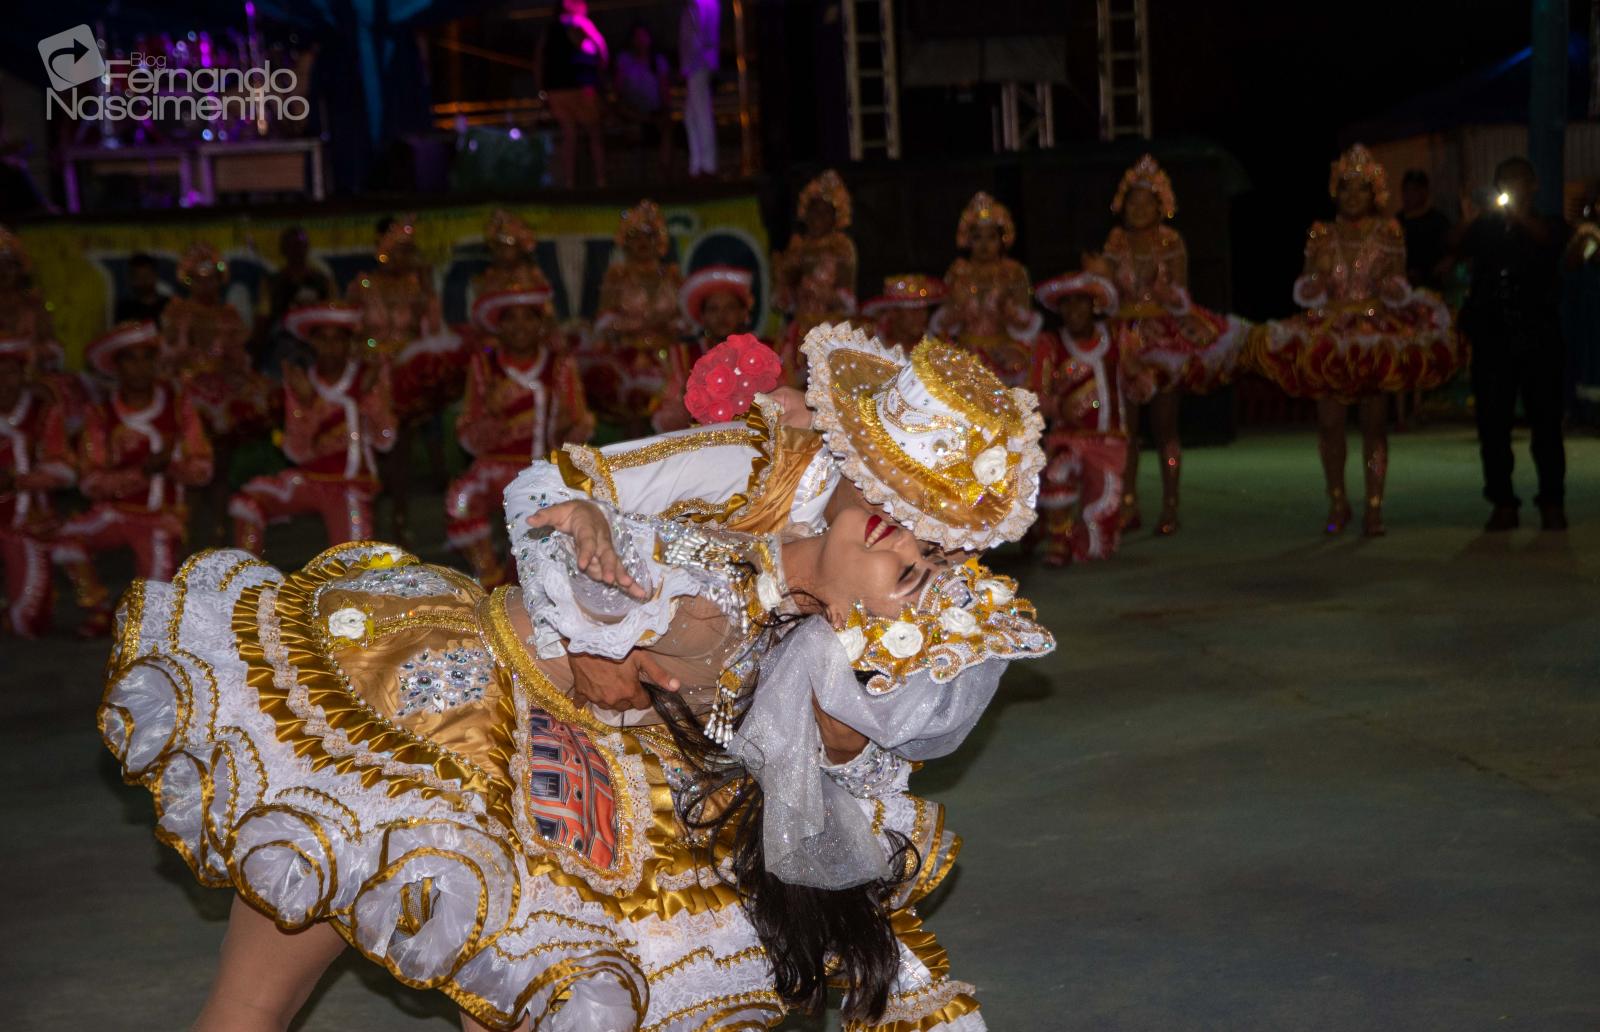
[1512, 319]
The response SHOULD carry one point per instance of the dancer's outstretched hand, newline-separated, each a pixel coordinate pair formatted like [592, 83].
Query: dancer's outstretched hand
[616, 684]
[792, 406]
[591, 541]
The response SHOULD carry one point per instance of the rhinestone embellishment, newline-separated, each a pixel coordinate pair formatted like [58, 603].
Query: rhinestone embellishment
[400, 582]
[440, 681]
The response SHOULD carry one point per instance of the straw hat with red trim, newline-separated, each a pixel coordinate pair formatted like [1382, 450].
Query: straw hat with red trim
[303, 321]
[102, 352]
[491, 307]
[1051, 291]
[933, 437]
[909, 290]
[707, 281]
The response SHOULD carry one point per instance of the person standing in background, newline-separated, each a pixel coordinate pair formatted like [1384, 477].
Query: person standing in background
[572, 57]
[644, 86]
[699, 44]
[296, 284]
[1426, 229]
[144, 300]
[1512, 319]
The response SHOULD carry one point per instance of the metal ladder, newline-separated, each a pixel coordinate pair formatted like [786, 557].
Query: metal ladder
[871, 78]
[1027, 116]
[1124, 67]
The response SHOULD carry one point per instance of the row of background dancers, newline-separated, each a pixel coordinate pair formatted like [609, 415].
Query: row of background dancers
[362, 376]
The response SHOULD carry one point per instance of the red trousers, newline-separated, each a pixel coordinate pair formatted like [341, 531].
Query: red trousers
[1080, 495]
[472, 501]
[156, 538]
[345, 505]
[29, 591]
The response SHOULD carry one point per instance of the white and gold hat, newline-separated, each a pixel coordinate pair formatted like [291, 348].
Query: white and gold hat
[935, 438]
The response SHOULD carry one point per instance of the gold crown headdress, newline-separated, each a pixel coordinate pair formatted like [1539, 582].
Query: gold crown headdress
[1145, 174]
[966, 616]
[402, 230]
[984, 210]
[829, 189]
[1358, 163]
[506, 228]
[201, 259]
[645, 217]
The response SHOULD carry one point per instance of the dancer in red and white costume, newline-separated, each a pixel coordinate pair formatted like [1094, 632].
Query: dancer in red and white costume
[140, 450]
[1078, 380]
[524, 399]
[338, 414]
[1177, 346]
[716, 301]
[900, 314]
[34, 460]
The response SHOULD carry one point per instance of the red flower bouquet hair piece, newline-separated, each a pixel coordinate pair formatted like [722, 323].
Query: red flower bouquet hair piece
[725, 381]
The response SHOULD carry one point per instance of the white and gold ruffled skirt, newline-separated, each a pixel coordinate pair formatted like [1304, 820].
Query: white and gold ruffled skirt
[365, 742]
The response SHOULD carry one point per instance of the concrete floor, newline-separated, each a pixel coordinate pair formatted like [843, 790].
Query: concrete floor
[1269, 781]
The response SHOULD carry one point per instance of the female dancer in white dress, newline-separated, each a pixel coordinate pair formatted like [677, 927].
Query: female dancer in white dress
[374, 752]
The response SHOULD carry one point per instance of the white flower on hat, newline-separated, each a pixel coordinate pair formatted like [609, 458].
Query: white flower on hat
[767, 592]
[958, 621]
[853, 641]
[348, 622]
[903, 639]
[998, 591]
[990, 465]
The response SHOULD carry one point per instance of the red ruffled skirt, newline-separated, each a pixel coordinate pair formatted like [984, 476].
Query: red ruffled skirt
[1347, 351]
[1196, 352]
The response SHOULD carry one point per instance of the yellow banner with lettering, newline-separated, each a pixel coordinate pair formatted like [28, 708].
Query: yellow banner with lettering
[81, 268]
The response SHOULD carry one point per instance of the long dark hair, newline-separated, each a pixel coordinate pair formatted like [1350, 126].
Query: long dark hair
[808, 933]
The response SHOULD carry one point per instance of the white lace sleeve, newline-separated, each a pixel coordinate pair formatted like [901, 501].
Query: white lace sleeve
[573, 613]
[705, 463]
